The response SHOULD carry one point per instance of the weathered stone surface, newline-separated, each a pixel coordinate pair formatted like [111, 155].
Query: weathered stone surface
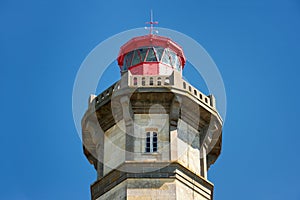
[189, 139]
[171, 182]
[151, 122]
[114, 147]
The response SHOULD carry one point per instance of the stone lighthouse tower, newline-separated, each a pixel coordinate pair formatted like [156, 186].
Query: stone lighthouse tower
[151, 135]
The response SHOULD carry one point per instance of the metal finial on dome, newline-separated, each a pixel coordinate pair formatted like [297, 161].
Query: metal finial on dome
[151, 22]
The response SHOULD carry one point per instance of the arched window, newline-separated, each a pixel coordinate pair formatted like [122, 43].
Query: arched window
[151, 81]
[158, 81]
[167, 81]
[151, 142]
[135, 81]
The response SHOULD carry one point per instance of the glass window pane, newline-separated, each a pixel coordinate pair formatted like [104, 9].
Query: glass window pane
[154, 137]
[143, 52]
[151, 56]
[127, 60]
[173, 58]
[178, 64]
[166, 57]
[124, 63]
[154, 142]
[159, 51]
[136, 58]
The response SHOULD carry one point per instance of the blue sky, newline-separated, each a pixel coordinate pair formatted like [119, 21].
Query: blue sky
[255, 45]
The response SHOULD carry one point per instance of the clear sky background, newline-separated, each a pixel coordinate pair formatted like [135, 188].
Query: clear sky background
[255, 44]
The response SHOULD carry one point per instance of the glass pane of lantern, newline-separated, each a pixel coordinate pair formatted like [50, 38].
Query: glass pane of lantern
[178, 64]
[143, 52]
[151, 56]
[173, 59]
[166, 57]
[159, 51]
[127, 60]
[136, 58]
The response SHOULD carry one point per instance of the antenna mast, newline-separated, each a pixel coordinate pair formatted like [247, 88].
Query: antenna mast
[151, 22]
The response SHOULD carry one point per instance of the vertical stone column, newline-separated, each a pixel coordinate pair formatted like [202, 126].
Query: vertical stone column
[125, 79]
[203, 151]
[97, 139]
[203, 162]
[173, 117]
[100, 153]
[173, 145]
[129, 125]
[212, 100]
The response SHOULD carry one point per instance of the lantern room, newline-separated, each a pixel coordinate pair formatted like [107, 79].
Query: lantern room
[151, 55]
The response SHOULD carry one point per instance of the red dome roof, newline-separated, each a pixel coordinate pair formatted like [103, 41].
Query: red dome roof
[147, 41]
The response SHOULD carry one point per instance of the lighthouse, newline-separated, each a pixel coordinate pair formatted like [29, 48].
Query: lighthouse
[151, 135]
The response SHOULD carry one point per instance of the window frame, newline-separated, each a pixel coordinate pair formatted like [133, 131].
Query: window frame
[151, 145]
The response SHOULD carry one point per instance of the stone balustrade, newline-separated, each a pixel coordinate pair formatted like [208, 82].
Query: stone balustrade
[150, 81]
[157, 81]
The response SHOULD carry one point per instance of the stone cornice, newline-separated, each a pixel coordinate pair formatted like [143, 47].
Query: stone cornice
[171, 171]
